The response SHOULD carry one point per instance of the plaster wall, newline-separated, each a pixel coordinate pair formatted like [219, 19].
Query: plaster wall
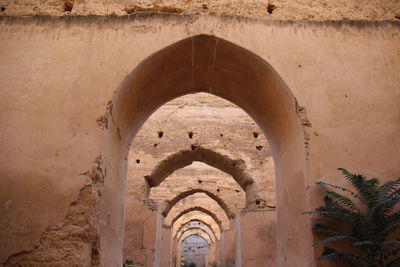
[258, 238]
[274, 9]
[166, 248]
[229, 246]
[344, 73]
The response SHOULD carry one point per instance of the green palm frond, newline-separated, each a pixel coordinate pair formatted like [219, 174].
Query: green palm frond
[320, 228]
[343, 200]
[388, 187]
[333, 239]
[369, 226]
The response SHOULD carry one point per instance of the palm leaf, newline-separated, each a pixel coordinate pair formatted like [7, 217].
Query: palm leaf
[388, 187]
[384, 233]
[330, 253]
[343, 200]
[337, 187]
[320, 228]
[334, 238]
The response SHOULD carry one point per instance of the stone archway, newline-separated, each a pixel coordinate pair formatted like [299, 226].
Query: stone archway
[197, 216]
[210, 237]
[183, 195]
[206, 63]
[201, 209]
[195, 224]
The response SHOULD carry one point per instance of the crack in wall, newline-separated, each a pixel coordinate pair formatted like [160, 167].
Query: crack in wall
[76, 240]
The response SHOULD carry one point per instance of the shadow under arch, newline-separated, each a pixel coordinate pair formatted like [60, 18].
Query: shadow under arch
[194, 220]
[185, 194]
[204, 63]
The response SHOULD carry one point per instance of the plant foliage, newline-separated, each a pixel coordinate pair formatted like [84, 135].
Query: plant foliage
[127, 263]
[374, 224]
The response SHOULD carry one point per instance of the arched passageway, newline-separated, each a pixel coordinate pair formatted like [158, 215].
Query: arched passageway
[209, 64]
[220, 202]
[236, 168]
[197, 216]
[194, 223]
[207, 233]
[201, 209]
[195, 249]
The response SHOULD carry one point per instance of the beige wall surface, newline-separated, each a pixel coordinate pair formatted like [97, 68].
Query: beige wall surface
[57, 75]
[258, 238]
[272, 9]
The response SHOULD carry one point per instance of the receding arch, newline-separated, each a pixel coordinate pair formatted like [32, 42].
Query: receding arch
[196, 215]
[201, 209]
[205, 63]
[194, 191]
[234, 167]
[198, 232]
[194, 220]
[195, 224]
[212, 238]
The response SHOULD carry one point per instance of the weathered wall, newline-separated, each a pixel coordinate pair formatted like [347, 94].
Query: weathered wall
[271, 9]
[339, 71]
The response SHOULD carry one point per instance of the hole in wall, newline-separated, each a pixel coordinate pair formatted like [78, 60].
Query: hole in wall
[68, 6]
[199, 181]
[221, 135]
[2, 8]
[237, 191]
[259, 148]
[190, 134]
[218, 190]
[193, 147]
[138, 161]
[155, 145]
[397, 16]
[255, 134]
[271, 8]
[160, 134]
[258, 202]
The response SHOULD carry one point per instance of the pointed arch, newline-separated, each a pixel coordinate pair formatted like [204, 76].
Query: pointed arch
[212, 238]
[194, 220]
[201, 209]
[234, 167]
[194, 191]
[197, 215]
[204, 63]
[195, 232]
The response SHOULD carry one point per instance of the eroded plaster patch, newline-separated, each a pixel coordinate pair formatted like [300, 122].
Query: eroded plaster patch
[76, 240]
